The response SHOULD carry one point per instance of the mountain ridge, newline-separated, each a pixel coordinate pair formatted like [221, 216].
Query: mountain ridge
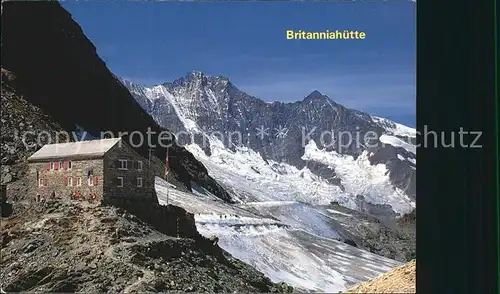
[195, 74]
[199, 105]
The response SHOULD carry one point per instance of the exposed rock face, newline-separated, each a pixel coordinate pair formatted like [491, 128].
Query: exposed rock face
[395, 240]
[76, 247]
[202, 105]
[400, 280]
[58, 70]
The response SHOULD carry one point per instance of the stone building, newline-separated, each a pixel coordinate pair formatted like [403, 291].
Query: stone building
[106, 170]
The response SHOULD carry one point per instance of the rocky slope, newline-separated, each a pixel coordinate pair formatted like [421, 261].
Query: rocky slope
[58, 71]
[80, 247]
[400, 280]
[395, 240]
[21, 123]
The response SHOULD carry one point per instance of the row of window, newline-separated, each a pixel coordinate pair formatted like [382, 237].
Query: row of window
[55, 165]
[71, 181]
[91, 181]
[124, 164]
[120, 182]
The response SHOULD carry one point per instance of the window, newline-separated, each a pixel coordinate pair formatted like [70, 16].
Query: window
[120, 181]
[69, 164]
[123, 164]
[40, 182]
[79, 181]
[139, 182]
[70, 181]
[139, 165]
[89, 181]
[51, 165]
[61, 165]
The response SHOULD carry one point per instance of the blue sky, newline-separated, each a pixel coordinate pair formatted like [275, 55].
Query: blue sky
[154, 42]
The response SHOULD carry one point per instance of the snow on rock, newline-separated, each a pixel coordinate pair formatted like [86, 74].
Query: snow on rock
[281, 182]
[396, 142]
[160, 92]
[338, 212]
[359, 177]
[395, 128]
[259, 181]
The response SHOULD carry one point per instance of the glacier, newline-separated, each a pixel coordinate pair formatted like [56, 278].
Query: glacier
[284, 250]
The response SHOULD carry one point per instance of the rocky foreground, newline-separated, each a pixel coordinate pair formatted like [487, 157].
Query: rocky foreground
[400, 280]
[80, 247]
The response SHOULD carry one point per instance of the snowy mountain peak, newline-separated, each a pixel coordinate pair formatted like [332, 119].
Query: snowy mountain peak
[316, 95]
[205, 105]
[197, 79]
[196, 73]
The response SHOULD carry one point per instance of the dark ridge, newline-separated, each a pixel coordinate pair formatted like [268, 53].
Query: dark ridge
[58, 70]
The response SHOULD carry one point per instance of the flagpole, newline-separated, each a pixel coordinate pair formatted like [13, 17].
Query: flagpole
[166, 173]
